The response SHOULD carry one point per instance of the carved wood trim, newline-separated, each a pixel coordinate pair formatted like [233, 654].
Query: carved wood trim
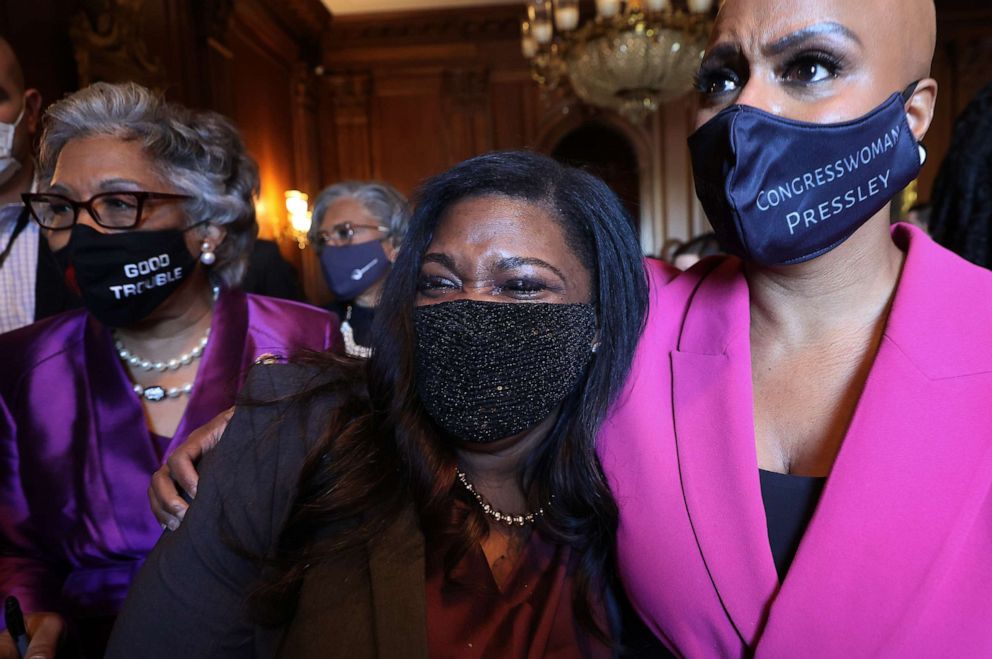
[305, 150]
[254, 22]
[212, 17]
[306, 18]
[349, 142]
[303, 22]
[496, 23]
[350, 91]
[466, 88]
[108, 44]
[419, 81]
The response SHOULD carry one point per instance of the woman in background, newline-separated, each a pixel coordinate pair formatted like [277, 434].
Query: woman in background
[961, 200]
[358, 228]
[158, 204]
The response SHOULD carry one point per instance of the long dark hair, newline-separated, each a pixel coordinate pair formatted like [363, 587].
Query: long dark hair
[380, 450]
[961, 202]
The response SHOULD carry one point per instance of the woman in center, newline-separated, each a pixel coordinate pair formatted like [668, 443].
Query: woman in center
[444, 498]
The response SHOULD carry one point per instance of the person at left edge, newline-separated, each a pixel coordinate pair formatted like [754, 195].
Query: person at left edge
[158, 203]
[31, 284]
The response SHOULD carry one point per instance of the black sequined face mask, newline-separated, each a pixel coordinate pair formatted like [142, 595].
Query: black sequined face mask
[489, 370]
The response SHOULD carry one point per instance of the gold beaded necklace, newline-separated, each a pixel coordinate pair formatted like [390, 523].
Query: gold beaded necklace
[501, 517]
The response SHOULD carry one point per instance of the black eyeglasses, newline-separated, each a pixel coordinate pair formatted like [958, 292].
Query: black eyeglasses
[111, 210]
[342, 234]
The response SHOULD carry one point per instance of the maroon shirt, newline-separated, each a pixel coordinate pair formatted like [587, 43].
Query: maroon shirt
[469, 617]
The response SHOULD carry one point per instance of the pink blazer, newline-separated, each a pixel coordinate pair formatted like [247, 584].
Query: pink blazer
[897, 560]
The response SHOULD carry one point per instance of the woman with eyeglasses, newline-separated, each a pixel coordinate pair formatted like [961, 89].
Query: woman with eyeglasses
[158, 204]
[358, 229]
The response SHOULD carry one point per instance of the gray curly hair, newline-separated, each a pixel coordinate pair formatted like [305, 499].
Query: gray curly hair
[200, 153]
[384, 202]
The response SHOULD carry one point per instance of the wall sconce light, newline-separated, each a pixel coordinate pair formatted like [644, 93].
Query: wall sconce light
[297, 206]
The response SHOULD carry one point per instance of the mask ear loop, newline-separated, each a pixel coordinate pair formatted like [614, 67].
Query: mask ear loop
[906, 95]
[910, 90]
[8, 140]
[24, 107]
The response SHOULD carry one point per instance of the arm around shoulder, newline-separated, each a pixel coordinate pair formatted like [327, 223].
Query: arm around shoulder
[190, 598]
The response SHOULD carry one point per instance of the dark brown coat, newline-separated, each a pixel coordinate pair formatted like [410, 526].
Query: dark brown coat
[189, 600]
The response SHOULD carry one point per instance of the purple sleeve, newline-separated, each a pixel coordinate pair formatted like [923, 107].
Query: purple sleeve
[190, 597]
[24, 572]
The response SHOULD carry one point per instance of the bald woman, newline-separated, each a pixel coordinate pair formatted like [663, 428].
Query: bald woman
[803, 458]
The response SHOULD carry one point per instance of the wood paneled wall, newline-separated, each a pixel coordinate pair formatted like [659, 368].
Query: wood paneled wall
[249, 59]
[413, 93]
[397, 97]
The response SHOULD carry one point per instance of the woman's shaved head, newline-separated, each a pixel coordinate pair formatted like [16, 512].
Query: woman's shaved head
[821, 61]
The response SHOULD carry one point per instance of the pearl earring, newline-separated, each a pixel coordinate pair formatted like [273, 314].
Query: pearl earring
[207, 256]
[923, 153]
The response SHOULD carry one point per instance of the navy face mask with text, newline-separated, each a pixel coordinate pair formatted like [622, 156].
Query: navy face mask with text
[779, 191]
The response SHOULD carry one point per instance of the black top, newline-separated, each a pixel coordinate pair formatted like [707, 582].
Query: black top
[789, 505]
[270, 274]
[361, 320]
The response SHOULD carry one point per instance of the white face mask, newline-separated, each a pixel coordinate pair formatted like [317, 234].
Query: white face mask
[9, 165]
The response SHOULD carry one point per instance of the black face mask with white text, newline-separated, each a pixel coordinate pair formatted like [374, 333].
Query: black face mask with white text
[123, 277]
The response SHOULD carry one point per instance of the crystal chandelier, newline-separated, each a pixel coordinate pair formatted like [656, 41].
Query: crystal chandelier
[632, 57]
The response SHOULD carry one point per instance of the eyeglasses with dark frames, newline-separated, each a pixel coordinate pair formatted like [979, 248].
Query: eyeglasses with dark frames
[111, 210]
[342, 234]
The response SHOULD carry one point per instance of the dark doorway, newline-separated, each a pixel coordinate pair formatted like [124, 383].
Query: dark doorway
[602, 150]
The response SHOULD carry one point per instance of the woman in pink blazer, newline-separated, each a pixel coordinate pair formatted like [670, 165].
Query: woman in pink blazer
[803, 456]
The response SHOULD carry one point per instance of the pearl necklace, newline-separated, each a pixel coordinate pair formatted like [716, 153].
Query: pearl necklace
[156, 393]
[184, 359]
[351, 347]
[501, 517]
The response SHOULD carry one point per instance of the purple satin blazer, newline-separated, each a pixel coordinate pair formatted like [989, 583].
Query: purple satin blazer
[897, 559]
[76, 454]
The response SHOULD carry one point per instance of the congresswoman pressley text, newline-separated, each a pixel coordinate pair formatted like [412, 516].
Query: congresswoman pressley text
[799, 187]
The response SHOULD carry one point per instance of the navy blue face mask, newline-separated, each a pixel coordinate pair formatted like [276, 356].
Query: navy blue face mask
[779, 191]
[351, 269]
